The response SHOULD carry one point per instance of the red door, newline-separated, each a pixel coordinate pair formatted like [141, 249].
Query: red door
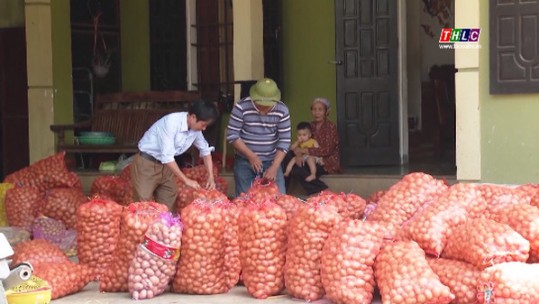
[13, 101]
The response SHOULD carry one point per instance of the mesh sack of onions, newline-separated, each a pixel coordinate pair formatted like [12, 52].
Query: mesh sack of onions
[3, 189]
[460, 277]
[113, 187]
[125, 174]
[523, 219]
[136, 218]
[349, 206]
[50, 172]
[62, 204]
[403, 275]
[433, 224]
[38, 251]
[375, 196]
[347, 261]
[202, 268]
[263, 189]
[64, 277]
[494, 194]
[154, 263]
[307, 231]
[221, 184]
[186, 195]
[289, 203]
[512, 283]
[483, 242]
[22, 205]
[405, 197]
[232, 252]
[262, 239]
[98, 230]
[199, 173]
[54, 231]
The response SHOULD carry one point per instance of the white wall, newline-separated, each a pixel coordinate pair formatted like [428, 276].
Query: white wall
[430, 52]
[422, 51]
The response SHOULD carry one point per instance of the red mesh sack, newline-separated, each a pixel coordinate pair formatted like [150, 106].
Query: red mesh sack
[98, 230]
[232, 253]
[375, 196]
[186, 195]
[347, 261]
[512, 282]
[22, 204]
[403, 275]
[113, 187]
[50, 172]
[202, 269]
[199, 173]
[125, 174]
[262, 190]
[307, 231]
[38, 251]
[523, 219]
[433, 224]
[349, 206]
[62, 204]
[262, 239]
[64, 277]
[483, 242]
[221, 185]
[460, 277]
[154, 263]
[405, 197]
[135, 221]
[289, 203]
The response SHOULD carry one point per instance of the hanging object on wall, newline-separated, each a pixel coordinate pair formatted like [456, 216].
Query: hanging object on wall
[439, 9]
[101, 54]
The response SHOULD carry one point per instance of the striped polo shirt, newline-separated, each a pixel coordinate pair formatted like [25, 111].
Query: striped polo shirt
[263, 134]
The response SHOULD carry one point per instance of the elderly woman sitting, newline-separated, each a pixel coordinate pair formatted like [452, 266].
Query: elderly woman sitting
[325, 133]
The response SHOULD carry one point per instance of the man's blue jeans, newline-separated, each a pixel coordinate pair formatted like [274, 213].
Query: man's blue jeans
[244, 175]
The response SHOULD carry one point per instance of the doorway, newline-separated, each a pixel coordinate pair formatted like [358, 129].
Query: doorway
[419, 130]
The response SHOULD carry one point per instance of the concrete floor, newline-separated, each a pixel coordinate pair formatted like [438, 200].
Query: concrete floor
[238, 295]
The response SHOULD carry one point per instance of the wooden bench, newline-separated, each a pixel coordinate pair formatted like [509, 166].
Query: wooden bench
[127, 115]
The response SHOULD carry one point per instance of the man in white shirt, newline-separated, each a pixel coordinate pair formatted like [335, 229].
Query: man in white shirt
[154, 168]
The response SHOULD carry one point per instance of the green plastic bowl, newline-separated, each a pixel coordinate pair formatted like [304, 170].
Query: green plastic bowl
[96, 140]
[96, 133]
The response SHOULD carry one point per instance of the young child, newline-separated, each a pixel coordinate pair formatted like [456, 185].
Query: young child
[305, 141]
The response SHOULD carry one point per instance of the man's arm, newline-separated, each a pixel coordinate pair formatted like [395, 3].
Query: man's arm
[176, 170]
[254, 160]
[208, 163]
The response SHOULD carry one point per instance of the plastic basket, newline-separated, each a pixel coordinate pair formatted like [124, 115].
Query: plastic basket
[35, 291]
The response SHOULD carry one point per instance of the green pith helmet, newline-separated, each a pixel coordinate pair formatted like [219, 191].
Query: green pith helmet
[265, 92]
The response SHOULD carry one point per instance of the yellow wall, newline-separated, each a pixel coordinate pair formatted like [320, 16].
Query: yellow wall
[468, 111]
[308, 46]
[135, 44]
[11, 13]
[49, 73]
[509, 126]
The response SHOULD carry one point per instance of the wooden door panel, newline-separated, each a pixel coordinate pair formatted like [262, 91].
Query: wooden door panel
[13, 101]
[367, 82]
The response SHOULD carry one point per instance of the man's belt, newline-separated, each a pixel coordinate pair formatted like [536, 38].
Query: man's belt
[149, 157]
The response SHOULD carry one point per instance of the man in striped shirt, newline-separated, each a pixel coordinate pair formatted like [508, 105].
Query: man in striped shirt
[259, 131]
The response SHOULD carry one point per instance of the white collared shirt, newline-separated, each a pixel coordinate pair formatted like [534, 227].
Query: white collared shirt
[170, 136]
